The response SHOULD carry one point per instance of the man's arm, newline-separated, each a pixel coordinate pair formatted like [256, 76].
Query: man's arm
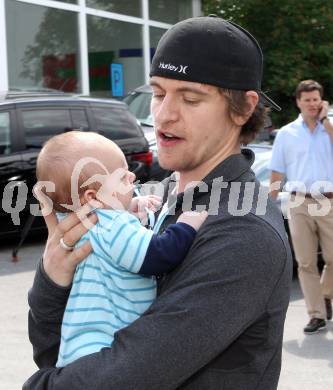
[275, 184]
[278, 164]
[328, 127]
[219, 290]
[47, 302]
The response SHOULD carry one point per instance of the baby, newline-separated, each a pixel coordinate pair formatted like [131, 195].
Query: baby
[115, 284]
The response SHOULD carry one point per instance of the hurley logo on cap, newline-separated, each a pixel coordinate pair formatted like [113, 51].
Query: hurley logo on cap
[174, 68]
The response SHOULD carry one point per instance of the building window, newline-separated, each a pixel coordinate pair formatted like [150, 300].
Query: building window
[114, 42]
[43, 47]
[44, 37]
[126, 7]
[155, 36]
[170, 11]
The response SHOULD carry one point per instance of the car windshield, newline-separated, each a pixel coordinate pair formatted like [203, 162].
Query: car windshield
[139, 105]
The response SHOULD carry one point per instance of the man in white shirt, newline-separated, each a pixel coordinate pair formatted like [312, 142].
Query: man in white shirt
[303, 154]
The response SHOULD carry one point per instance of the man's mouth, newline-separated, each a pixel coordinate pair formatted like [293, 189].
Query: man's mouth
[165, 136]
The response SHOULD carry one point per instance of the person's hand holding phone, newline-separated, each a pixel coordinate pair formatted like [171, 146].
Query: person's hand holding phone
[323, 110]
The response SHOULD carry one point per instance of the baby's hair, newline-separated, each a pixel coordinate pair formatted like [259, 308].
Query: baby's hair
[57, 159]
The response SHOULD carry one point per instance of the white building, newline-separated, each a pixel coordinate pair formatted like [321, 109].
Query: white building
[96, 47]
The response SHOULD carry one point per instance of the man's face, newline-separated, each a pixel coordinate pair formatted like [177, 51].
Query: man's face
[309, 104]
[192, 126]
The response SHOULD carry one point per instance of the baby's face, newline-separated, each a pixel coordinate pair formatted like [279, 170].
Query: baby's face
[117, 189]
[115, 181]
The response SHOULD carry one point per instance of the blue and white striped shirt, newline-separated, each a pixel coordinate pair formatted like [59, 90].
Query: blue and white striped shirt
[107, 294]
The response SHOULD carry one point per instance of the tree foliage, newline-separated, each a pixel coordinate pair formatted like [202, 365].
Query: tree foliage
[297, 41]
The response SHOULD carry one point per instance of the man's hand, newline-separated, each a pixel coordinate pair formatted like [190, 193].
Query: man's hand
[59, 263]
[275, 184]
[323, 117]
[323, 111]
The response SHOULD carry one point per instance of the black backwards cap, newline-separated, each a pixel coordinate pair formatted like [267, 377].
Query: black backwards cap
[212, 51]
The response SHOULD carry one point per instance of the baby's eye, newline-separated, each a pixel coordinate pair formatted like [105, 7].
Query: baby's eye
[125, 177]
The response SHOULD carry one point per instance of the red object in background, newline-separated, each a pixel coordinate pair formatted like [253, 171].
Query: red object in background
[59, 72]
[101, 71]
[146, 158]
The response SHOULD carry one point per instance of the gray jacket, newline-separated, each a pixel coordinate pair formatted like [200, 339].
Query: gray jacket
[217, 322]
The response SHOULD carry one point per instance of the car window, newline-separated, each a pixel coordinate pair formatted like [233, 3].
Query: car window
[263, 175]
[79, 120]
[42, 124]
[5, 144]
[260, 165]
[139, 105]
[115, 123]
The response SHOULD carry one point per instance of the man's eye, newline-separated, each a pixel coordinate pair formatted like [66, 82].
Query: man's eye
[158, 96]
[192, 102]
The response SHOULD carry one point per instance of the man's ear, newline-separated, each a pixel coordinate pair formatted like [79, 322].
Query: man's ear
[252, 99]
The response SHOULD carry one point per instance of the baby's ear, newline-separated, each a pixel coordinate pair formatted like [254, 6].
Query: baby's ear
[89, 194]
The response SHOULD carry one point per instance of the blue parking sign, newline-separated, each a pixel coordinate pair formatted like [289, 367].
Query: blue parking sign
[117, 82]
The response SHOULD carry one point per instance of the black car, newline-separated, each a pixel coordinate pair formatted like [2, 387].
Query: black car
[27, 120]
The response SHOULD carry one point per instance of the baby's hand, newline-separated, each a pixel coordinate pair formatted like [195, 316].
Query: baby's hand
[193, 218]
[141, 204]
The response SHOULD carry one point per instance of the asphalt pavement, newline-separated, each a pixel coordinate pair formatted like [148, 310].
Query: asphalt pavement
[307, 360]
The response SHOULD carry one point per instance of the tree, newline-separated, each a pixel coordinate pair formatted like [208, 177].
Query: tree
[297, 41]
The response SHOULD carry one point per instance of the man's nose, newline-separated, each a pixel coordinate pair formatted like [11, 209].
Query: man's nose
[166, 111]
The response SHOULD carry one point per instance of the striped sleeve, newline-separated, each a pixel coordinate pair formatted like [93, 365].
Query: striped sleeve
[120, 239]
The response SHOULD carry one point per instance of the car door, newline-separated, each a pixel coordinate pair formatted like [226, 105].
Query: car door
[11, 186]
